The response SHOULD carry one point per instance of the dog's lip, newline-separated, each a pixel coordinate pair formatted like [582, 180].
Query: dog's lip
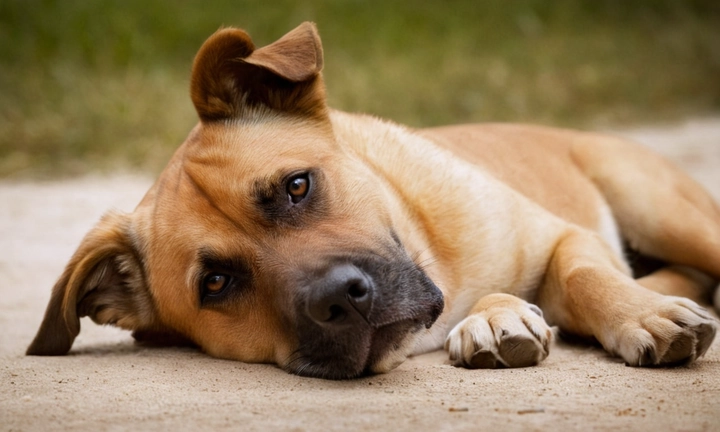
[414, 317]
[377, 353]
[378, 347]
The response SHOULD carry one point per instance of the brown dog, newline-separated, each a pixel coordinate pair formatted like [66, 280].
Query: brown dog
[337, 245]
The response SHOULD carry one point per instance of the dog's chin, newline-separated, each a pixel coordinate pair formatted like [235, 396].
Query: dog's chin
[381, 350]
[392, 355]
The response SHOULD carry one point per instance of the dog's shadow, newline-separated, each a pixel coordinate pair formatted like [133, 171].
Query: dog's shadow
[140, 342]
[131, 347]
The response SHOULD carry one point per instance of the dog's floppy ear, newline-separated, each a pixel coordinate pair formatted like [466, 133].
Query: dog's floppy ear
[230, 77]
[105, 281]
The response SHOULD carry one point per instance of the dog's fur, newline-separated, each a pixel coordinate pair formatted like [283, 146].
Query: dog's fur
[329, 243]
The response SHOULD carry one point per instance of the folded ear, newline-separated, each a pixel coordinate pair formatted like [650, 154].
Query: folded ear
[104, 280]
[230, 77]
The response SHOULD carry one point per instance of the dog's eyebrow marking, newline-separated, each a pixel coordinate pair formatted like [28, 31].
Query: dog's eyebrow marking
[213, 261]
[265, 189]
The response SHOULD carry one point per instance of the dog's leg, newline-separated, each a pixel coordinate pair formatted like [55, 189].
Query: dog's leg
[588, 291]
[681, 281]
[501, 330]
[661, 211]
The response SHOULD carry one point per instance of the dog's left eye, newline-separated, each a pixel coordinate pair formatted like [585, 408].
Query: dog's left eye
[298, 188]
[215, 283]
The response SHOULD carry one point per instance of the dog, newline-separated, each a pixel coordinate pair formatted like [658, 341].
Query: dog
[337, 245]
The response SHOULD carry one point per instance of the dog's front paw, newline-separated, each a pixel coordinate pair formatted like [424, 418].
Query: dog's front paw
[671, 331]
[501, 336]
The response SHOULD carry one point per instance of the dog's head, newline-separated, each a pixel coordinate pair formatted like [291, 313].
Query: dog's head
[264, 239]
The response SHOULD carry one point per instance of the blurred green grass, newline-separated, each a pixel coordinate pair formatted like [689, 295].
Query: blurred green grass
[103, 85]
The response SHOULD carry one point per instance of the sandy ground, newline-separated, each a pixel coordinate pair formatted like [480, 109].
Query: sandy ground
[108, 383]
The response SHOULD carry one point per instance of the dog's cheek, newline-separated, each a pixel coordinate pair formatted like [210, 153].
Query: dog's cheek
[245, 344]
[252, 333]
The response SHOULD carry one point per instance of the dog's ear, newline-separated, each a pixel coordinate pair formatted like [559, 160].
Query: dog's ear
[230, 77]
[105, 281]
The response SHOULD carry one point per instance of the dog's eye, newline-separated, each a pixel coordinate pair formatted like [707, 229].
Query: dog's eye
[298, 188]
[215, 283]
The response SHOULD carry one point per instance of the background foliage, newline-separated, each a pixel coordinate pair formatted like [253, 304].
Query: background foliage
[97, 85]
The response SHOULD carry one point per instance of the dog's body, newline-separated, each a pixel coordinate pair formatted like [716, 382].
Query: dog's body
[330, 243]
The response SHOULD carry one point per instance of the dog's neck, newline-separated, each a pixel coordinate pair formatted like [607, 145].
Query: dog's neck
[469, 195]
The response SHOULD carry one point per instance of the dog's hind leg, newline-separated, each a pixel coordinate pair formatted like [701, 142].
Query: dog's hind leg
[681, 281]
[661, 212]
[588, 291]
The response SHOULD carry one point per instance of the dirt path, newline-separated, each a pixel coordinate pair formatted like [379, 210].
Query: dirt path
[108, 383]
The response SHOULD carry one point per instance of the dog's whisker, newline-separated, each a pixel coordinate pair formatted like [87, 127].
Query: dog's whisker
[427, 262]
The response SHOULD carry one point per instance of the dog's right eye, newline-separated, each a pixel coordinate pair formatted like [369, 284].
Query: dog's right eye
[298, 188]
[222, 280]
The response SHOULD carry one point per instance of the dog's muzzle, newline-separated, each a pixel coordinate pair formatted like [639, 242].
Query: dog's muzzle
[354, 313]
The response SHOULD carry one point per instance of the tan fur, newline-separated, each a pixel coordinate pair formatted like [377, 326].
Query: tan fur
[528, 159]
[495, 215]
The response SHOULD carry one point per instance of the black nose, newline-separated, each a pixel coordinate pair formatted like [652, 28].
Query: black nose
[343, 296]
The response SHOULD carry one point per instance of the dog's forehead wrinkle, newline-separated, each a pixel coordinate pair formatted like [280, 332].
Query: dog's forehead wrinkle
[243, 151]
[281, 136]
[206, 195]
[256, 115]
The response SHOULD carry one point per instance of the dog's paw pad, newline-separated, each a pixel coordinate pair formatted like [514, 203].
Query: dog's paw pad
[500, 337]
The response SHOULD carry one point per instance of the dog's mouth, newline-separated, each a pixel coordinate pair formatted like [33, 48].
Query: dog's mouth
[376, 351]
[362, 316]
